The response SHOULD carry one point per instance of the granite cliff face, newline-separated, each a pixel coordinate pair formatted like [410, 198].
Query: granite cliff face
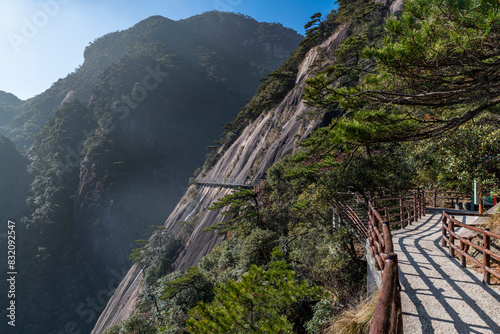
[148, 143]
[270, 137]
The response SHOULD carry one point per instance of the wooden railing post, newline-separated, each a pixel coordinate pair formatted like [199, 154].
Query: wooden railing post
[415, 207]
[486, 256]
[386, 215]
[408, 212]
[443, 230]
[397, 303]
[435, 198]
[463, 262]
[418, 204]
[401, 212]
[388, 315]
[422, 203]
[451, 229]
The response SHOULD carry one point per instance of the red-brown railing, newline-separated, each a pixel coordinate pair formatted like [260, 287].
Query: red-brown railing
[388, 317]
[449, 236]
[401, 210]
[447, 199]
[348, 212]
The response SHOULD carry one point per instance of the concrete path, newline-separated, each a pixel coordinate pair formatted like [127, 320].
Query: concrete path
[438, 295]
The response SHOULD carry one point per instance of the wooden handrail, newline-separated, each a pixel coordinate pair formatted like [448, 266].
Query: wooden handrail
[448, 237]
[435, 196]
[388, 316]
[408, 208]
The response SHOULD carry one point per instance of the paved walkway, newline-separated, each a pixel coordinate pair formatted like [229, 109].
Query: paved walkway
[438, 295]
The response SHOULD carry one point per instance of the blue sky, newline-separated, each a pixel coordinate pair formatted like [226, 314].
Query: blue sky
[43, 40]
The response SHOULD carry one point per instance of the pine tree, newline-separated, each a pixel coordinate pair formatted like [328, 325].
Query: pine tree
[256, 304]
[438, 68]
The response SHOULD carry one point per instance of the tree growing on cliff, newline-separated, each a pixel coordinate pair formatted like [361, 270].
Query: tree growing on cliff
[313, 25]
[439, 68]
[256, 304]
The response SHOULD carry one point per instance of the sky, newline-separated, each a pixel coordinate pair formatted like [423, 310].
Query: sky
[44, 40]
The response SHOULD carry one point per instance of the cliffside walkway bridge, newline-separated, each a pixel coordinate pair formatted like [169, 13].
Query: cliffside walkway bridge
[422, 258]
[228, 183]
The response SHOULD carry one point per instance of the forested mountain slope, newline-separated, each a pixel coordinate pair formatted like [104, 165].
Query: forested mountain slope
[110, 149]
[236, 42]
[9, 107]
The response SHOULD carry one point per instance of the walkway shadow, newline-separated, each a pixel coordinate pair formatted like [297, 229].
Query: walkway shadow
[417, 236]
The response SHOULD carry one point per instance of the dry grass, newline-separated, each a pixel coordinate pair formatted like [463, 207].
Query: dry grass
[355, 320]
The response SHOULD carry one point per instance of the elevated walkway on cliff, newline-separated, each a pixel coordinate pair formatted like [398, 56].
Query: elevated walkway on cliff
[438, 295]
[229, 183]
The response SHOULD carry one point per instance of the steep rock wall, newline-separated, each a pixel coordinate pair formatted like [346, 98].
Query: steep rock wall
[266, 140]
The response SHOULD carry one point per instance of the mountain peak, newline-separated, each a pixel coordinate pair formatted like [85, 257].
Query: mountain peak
[9, 99]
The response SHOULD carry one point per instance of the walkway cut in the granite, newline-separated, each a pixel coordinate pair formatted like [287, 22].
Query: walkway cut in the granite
[438, 295]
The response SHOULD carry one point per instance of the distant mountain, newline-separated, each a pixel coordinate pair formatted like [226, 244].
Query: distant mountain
[12, 171]
[112, 147]
[9, 107]
[215, 43]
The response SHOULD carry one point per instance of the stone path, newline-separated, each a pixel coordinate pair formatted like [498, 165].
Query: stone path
[438, 295]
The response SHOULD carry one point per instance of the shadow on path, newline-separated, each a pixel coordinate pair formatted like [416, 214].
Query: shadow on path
[443, 293]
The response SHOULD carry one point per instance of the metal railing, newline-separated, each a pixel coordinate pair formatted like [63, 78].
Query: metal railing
[228, 182]
[449, 223]
[350, 214]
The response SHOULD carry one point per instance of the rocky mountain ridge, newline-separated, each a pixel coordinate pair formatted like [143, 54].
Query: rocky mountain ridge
[9, 107]
[255, 47]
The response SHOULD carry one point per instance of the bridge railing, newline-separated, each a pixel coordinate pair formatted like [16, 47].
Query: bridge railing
[228, 182]
[388, 316]
[449, 223]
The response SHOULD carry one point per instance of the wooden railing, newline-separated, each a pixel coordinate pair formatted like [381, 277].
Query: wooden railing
[449, 223]
[388, 317]
[446, 199]
[401, 210]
